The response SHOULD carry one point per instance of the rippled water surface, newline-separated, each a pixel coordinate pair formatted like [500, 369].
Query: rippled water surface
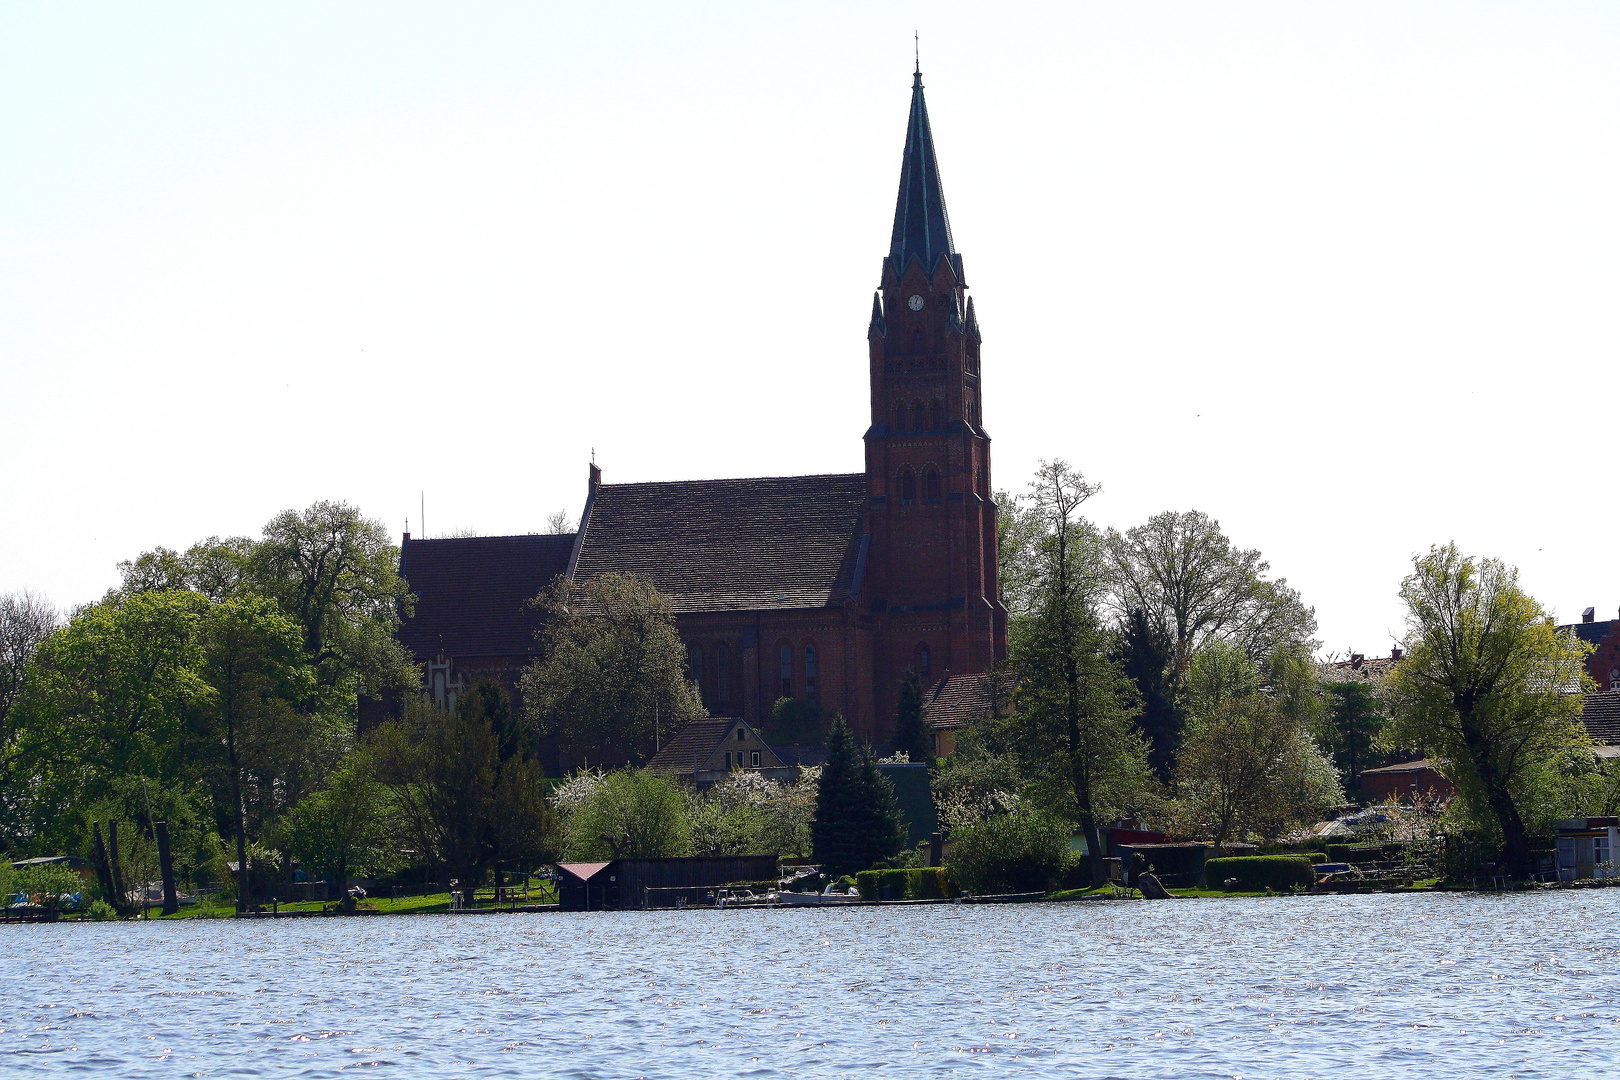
[1376, 986]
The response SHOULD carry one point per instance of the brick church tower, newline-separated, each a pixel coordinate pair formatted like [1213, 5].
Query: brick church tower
[934, 593]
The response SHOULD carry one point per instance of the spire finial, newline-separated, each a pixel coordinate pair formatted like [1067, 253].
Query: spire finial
[916, 49]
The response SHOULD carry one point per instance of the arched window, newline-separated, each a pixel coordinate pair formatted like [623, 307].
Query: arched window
[919, 344]
[936, 416]
[924, 659]
[786, 654]
[908, 486]
[812, 671]
[919, 417]
[931, 485]
[694, 663]
[722, 676]
[899, 418]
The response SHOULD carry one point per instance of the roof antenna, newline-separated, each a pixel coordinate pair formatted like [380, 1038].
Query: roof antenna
[593, 455]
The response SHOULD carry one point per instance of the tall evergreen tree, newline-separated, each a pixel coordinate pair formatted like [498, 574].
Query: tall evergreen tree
[909, 733]
[1144, 652]
[857, 819]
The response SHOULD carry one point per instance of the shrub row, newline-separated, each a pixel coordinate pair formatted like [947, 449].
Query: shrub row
[923, 883]
[1280, 873]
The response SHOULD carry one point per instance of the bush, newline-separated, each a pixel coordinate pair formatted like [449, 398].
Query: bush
[923, 883]
[100, 911]
[1020, 852]
[50, 885]
[1280, 873]
[1361, 853]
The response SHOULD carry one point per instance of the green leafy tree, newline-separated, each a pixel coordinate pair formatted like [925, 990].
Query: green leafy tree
[254, 670]
[457, 800]
[1192, 584]
[613, 680]
[1246, 767]
[26, 621]
[909, 733]
[857, 820]
[1485, 687]
[218, 569]
[795, 721]
[347, 828]
[1073, 708]
[335, 573]
[631, 814]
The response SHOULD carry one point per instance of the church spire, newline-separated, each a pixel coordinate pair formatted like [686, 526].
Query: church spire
[921, 227]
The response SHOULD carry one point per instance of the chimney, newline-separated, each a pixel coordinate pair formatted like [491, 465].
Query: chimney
[596, 482]
[1356, 660]
[1395, 652]
[1589, 614]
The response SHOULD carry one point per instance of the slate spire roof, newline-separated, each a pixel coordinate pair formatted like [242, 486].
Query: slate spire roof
[922, 229]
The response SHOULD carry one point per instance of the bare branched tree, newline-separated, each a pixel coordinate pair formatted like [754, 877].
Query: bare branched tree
[26, 621]
[559, 524]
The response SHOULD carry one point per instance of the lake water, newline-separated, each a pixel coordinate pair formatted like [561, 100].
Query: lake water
[1374, 986]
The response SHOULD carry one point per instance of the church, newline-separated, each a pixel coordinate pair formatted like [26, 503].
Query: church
[824, 588]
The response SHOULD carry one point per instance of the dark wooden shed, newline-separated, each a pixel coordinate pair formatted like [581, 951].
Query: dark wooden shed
[635, 883]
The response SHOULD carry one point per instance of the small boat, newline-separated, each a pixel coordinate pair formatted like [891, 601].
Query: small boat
[821, 899]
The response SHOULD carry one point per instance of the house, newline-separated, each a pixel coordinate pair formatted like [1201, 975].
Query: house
[1403, 780]
[1604, 637]
[827, 588]
[626, 884]
[712, 748]
[77, 863]
[958, 701]
[1587, 847]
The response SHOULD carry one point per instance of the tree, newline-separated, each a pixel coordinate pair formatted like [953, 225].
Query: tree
[335, 573]
[1144, 653]
[1486, 687]
[457, 800]
[1355, 719]
[558, 523]
[1246, 767]
[857, 821]
[1025, 851]
[218, 569]
[909, 733]
[1073, 708]
[1185, 575]
[614, 678]
[630, 814]
[254, 669]
[345, 829]
[25, 622]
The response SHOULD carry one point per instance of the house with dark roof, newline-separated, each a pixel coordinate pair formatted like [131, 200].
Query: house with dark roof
[1604, 637]
[713, 748]
[829, 588]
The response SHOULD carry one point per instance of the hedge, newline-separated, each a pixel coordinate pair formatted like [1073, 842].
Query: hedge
[927, 883]
[1279, 873]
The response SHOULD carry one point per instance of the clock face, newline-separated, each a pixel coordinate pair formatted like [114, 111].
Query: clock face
[915, 303]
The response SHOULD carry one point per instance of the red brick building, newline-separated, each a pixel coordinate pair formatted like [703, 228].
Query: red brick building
[829, 588]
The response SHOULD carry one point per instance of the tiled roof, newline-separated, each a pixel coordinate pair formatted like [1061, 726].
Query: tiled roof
[1590, 632]
[472, 592]
[717, 545]
[693, 747]
[1370, 669]
[1601, 714]
[957, 701]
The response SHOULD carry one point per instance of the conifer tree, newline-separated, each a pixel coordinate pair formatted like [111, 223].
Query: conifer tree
[857, 819]
[909, 733]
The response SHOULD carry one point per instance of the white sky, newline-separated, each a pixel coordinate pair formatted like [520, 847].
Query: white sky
[1342, 276]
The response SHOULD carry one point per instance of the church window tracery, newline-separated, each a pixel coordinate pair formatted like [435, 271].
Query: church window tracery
[785, 654]
[812, 671]
[908, 487]
[924, 660]
[931, 485]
